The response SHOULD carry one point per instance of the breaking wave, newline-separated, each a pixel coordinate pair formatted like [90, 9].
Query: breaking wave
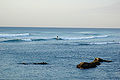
[46, 39]
[17, 40]
[22, 40]
[89, 37]
[75, 43]
[28, 40]
[14, 35]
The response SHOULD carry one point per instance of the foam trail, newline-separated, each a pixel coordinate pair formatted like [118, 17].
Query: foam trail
[98, 43]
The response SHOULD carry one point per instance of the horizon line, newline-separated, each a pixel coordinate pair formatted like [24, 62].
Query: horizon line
[44, 26]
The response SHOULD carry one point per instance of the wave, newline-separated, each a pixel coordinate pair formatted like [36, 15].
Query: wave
[28, 40]
[17, 40]
[89, 37]
[84, 32]
[99, 43]
[76, 43]
[14, 35]
[22, 40]
[87, 33]
[46, 39]
[102, 36]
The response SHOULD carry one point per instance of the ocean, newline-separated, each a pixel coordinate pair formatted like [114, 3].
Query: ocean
[75, 45]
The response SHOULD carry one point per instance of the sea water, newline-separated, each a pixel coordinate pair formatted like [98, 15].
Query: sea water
[75, 45]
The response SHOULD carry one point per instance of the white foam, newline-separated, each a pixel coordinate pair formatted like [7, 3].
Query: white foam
[105, 43]
[99, 43]
[102, 36]
[88, 37]
[26, 39]
[77, 38]
[84, 32]
[14, 35]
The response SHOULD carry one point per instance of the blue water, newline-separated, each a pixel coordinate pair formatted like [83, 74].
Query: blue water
[76, 45]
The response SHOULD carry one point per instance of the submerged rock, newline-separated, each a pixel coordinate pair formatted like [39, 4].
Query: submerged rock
[42, 63]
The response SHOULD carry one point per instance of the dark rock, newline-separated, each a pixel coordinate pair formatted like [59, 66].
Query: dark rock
[85, 65]
[42, 63]
[101, 60]
[95, 62]
[23, 63]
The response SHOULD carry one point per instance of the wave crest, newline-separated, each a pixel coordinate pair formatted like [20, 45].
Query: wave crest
[88, 37]
[28, 40]
[14, 35]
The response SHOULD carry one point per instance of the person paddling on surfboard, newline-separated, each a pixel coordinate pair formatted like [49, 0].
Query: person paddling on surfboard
[57, 38]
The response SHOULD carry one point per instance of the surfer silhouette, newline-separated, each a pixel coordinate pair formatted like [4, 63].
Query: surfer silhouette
[57, 38]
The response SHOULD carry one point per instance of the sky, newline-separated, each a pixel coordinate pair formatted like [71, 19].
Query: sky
[60, 13]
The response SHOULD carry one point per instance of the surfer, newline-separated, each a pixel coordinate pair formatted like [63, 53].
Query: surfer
[57, 38]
